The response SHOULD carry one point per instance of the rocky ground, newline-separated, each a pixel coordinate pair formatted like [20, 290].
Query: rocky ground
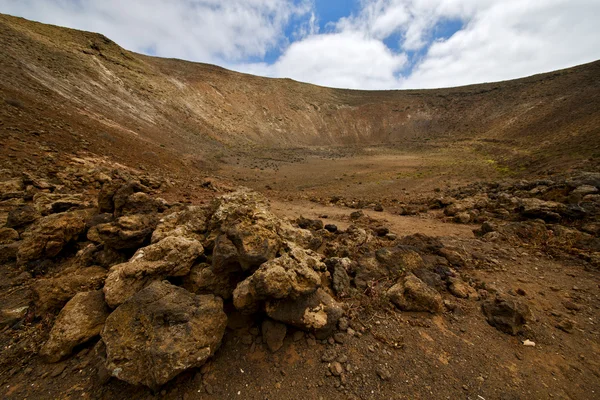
[109, 290]
[439, 244]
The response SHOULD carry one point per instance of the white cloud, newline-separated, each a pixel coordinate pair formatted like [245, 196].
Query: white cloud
[340, 60]
[511, 39]
[500, 39]
[199, 30]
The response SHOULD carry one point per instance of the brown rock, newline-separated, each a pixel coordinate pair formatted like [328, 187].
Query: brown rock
[160, 332]
[8, 235]
[22, 216]
[53, 293]
[273, 334]
[80, 320]
[49, 236]
[412, 294]
[172, 256]
[506, 315]
[317, 312]
[128, 232]
[292, 275]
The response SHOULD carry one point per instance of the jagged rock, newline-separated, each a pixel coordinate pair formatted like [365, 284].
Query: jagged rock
[317, 312]
[386, 262]
[80, 320]
[172, 256]
[22, 216]
[412, 294]
[8, 235]
[461, 289]
[190, 223]
[313, 224]
[160, 332]
[12, 188]
[549, 211]
[202, 280]
[123, 193]
[292, 275]
[8, 252]
[98, 219]
[431, 278]
[273, 334]
[584, 190]
[105, 197]
[339, 268]
[462, 218]
[127, 232]
[506, 315]
[53, 203]
[53, 293]
[422, 243]
[50, 235]
[142, 203]
[399, 259]
[107, 257]
[246, 220]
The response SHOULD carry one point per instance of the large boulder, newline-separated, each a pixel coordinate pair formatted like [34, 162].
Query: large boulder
[506, 315]
[172, 256]
[53, 293]
[80, 320]
[412, 294]
[160, 332]
[294, 274]
[48, 237]
[127, 232]
[317, 312]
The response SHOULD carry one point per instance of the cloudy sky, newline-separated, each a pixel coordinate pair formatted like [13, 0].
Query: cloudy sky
[361, 44]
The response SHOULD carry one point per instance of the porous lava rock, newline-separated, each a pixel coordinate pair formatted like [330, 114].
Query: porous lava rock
[160, 332]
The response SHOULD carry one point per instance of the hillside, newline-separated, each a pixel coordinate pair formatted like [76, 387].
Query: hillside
[121, 104]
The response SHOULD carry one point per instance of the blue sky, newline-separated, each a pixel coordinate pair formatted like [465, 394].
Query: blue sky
[359, 44]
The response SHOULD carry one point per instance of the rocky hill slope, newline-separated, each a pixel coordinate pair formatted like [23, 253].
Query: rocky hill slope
[85, 90]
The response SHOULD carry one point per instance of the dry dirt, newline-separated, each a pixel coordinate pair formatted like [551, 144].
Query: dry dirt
[73, 101]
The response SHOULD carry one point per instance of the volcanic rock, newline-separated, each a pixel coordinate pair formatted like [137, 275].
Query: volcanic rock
[80, 320]
[412, 294]
[506, 315]
[160, 332]
[172, 256]
[317, 312]
[50, 235]
[273, 334]
[53, 293]
[127, 232]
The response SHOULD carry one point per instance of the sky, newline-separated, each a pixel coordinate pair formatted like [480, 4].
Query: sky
[357, 44]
